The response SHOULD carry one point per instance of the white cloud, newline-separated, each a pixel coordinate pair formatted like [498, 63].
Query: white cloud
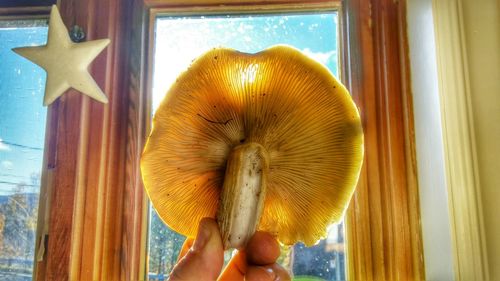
[172, 58]
[322, 57]
[3, 146]
[7, 164]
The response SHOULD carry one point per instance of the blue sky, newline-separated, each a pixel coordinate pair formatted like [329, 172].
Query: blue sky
[22, 116]
[179, 40]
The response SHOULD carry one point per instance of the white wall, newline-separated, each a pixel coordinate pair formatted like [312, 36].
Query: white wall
[481, 20]
[478, 25]
[431, 175]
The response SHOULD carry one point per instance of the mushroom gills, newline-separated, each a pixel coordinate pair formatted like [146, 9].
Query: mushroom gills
[243, 194]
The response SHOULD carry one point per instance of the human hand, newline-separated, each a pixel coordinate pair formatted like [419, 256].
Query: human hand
[202, 258]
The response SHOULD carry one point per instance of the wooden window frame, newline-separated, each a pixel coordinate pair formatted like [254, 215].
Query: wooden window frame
[385, 238]
[97, 216]
[383, 233]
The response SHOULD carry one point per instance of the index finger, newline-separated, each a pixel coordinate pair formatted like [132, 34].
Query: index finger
[235, 269]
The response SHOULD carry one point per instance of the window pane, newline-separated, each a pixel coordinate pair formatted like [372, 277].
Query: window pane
[179, 40]
[22, 135]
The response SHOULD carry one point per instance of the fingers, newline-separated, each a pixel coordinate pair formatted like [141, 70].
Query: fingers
[204, 259]
[273, 272]
[239, 270]
[262, 249]
[257, 261]
[236, 268]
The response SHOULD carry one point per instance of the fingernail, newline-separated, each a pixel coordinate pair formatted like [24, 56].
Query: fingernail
[271, 273]
[202, 237]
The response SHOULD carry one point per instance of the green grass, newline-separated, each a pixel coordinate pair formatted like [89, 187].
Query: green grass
[307, 278]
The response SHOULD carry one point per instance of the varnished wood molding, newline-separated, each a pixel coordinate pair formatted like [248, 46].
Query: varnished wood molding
[225, 3]
[135, 213]
[86, 158]
[462, 178]
[16, 9]
[383, 221]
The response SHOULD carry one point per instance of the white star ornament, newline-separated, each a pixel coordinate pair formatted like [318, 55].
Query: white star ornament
[65, 62]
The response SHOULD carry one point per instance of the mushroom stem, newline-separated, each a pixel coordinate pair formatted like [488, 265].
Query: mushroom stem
[243, 193]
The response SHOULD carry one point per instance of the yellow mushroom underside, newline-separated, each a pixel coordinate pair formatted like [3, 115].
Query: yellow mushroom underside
[288, 103]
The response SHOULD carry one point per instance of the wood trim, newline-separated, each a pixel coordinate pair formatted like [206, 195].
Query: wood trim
[416, 236]
[202, 7]
[241, 3]
[86, 161]
[383, 222]
[135, 202]
[27, 3]
[462, 176]
[24, 13]
[26, 9]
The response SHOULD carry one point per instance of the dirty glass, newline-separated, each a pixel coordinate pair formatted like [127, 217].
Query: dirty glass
[22, 134]
[179, 40]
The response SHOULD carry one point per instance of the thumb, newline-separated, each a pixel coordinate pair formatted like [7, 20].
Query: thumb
[205, 258]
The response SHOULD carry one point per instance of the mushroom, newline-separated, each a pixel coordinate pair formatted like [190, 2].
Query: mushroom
[268, 141]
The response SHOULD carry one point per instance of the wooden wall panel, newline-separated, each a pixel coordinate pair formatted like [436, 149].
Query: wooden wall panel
[135, 202]
[85, 224]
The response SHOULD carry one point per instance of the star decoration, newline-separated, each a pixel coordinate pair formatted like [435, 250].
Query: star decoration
[65, 62]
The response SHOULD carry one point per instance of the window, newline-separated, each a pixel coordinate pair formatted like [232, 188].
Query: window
[22, 138]
[96, 220]
[179, 40]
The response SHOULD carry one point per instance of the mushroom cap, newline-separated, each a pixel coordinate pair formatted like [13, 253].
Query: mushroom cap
[279, 98]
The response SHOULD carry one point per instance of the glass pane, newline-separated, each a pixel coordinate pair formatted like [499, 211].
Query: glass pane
[179, 40]
[22, 135]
